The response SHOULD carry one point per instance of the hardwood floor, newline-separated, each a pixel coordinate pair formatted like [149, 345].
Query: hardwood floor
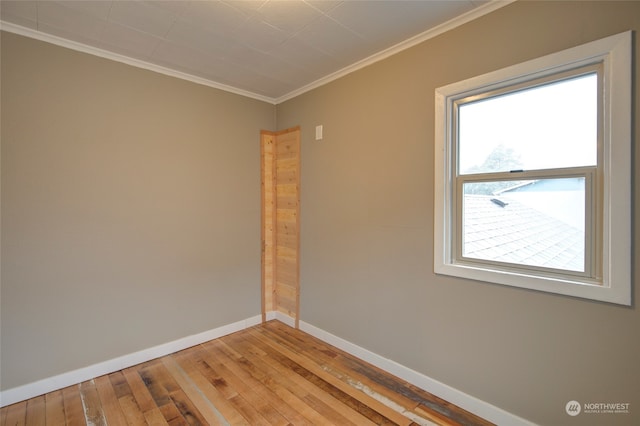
[270, 374]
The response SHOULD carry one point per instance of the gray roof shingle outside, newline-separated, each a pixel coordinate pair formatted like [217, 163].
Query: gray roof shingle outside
[519, 234]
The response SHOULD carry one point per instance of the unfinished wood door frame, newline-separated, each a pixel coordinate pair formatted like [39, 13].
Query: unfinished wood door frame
[280, 227]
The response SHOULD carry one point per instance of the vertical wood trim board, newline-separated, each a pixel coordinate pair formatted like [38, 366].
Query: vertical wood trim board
[267, 169]
[281, 222]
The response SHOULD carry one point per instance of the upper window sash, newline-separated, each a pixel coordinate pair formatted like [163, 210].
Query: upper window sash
[496, 114]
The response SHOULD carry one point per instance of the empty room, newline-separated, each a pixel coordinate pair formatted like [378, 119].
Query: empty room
[319, 212]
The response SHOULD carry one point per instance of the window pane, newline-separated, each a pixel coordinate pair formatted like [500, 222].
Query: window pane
[532, 222]
[550, 126]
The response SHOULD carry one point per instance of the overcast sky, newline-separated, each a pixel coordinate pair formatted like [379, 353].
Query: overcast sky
[551, 126]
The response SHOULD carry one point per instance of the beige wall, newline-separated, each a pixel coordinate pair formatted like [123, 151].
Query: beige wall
[367, 231]
[130, 209]
[130, 217]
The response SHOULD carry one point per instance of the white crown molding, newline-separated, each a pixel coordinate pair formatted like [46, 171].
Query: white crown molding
[80, 47]
[476, 13]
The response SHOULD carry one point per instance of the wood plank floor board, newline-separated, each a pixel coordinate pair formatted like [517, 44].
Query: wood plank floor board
[204, 378]
[112, 409]
[225, 382]
[54, 410]
[230, 381]
[157, 391]
[348, 369]
[16, 414]
[270, 374]
[332, 416]
[425, 401]
[154, 417]
[332, 403]
[119, 384]
[168, 395]
[73, 410]
[289, 379]
[215, 378]
[275, 391]
[94, 414]
[191, 390]
[36, 412]
[248, 412]
[331, 407]
[278, 382]
[143, 398]
[128, 405]
[405, 394]
[244, 376]
[171, 414]
[139, 389]
[269, 403]
[332, 361]
[187, 409]
[131, 410]
[362, 403]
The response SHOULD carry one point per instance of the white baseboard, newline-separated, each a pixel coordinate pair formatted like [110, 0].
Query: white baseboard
[461, 399]
[40, 387]
[467, 402]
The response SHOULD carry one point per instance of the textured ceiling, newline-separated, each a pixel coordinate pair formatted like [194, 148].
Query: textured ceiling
[268, 49]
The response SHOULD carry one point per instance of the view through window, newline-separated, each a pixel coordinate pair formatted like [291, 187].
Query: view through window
[532, 179]
[536, 222]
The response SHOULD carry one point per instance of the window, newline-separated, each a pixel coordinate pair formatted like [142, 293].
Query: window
[533, 174]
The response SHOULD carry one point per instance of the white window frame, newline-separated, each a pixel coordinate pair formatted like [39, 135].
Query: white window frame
[613, 281]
